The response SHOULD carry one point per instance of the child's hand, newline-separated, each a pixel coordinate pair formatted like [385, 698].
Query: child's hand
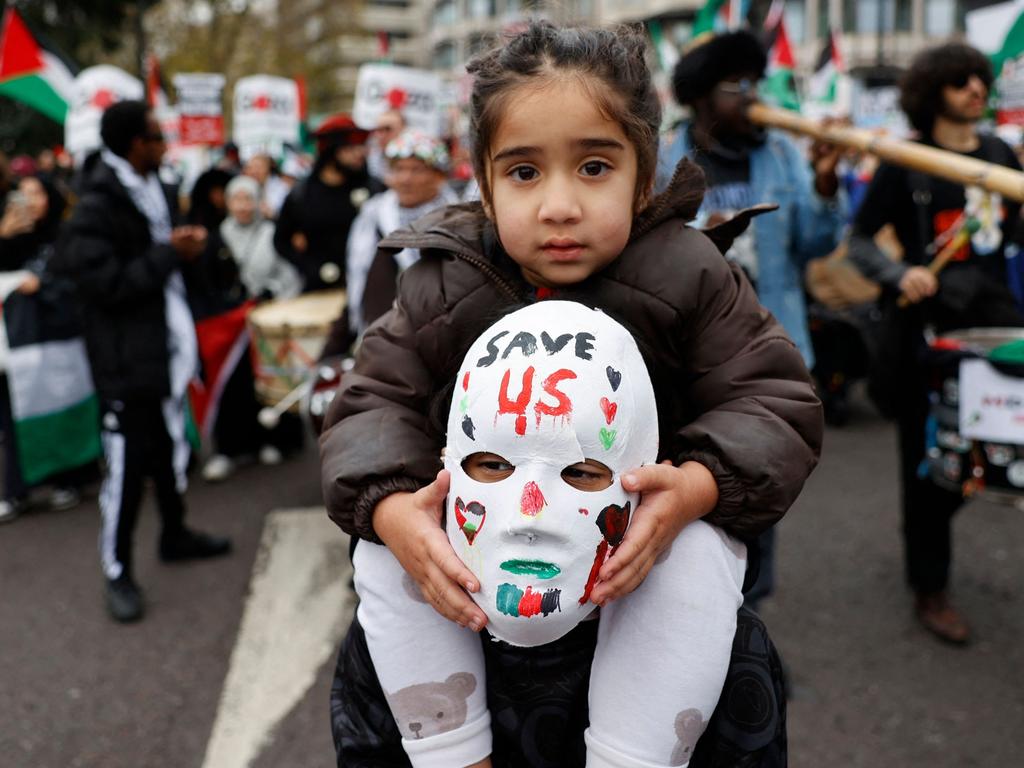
[670, 498]
[410, 525]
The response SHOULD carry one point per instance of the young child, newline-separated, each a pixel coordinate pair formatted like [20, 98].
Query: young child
[565, 127]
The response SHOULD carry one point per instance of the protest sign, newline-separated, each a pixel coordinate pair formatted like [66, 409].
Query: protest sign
[199, 104]
[95, 89]
[266, 114]
[383, 87]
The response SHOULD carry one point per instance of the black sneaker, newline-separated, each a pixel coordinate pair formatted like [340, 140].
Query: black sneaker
[192, 545]
[124, 599]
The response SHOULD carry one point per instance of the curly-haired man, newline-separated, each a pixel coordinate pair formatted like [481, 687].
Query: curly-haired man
[944, 94]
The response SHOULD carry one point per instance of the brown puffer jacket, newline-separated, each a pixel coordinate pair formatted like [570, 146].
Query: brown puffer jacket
[732, 390]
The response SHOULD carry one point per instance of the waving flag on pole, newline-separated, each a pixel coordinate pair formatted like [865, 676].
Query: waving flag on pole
[666, 52]
[32, 71]
[156, 94]
[824, 83]
[779, 87]
[711, 17]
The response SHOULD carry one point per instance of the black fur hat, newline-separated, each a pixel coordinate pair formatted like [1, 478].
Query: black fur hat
[714, 59]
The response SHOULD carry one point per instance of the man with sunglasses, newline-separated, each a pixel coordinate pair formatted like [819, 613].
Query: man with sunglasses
[944, 94]
[745, 165]
[124, 255]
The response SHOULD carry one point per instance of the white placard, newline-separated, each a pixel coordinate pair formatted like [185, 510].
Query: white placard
[991, 404]
[266, 114]
[199, 103]
[381, 86]
[95, 89]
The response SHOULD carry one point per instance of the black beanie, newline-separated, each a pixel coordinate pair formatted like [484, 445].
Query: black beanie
[718, 58]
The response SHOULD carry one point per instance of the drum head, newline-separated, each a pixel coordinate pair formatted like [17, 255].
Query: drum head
[309, 313]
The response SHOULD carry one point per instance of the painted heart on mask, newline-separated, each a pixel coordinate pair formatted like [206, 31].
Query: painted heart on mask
[612, 522]
[608, 437]
[469, 517]
[609, 409]
[614, 378]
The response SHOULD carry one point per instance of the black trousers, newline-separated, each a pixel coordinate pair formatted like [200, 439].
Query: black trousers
[237, 430]
[927, 509]
[138, 443]
[14, 483]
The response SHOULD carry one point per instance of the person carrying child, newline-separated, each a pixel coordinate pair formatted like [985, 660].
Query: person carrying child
[567, 214]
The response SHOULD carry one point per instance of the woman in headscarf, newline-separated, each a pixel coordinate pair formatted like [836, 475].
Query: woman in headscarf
[244, 266]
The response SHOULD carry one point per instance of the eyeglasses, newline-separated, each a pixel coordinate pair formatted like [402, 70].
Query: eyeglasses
[744, 87]
[153, 137]
[961, 81]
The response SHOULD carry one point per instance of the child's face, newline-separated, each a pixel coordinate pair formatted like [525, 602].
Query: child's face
[563, 179]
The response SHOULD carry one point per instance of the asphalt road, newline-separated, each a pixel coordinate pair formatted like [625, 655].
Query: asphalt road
[869, 687]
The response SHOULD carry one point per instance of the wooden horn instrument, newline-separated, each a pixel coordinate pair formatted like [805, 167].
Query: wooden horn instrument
[957, 168]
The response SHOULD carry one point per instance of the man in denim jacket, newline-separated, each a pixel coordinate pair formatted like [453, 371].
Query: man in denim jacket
[746, 165]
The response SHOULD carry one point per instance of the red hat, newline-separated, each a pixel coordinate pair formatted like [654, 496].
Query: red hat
[339, 130]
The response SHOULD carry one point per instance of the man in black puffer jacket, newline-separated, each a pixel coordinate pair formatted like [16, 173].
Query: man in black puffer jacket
[123, 255]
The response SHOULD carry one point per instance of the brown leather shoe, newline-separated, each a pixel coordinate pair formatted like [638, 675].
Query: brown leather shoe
[941, 619]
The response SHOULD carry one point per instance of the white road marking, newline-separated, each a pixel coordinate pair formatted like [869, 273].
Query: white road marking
[298, 607]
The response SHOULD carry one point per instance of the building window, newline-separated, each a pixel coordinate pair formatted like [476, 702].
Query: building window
[904, 15]
[444, 13]
[873, 17]
[824, 18]
[444, 56]
[940, 17]
[794, 14]
[482, 9]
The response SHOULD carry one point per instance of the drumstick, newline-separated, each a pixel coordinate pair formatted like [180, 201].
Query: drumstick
[270, 416]
[949, 250]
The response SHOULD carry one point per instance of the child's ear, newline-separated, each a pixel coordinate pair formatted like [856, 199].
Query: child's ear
[645, 197]
[485, 201]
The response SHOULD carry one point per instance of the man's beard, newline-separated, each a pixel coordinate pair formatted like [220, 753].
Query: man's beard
[738, 145]
[954, 115]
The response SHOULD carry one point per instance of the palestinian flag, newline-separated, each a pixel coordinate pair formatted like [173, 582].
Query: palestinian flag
[779, 87]
[712, 17]
[32, 71]
[1008, 65]
[55, 408]
[223, 341]
[824, 83]
[668, 54]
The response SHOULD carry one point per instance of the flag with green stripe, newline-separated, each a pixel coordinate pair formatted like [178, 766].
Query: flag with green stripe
[53, 402]
[33, 71]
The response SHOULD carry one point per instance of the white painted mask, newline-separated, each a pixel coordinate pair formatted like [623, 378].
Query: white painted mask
[544, 389]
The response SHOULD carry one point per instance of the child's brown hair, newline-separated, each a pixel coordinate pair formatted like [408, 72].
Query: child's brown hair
[612, 58]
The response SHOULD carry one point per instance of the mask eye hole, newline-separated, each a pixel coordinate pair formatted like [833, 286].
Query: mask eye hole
[588, 475]
[487, 467]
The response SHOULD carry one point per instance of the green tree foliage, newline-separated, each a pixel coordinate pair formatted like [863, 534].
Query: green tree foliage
[82, 29]
[25, 131]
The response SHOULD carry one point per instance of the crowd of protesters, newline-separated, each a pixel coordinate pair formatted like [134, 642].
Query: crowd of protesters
[104, 253]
